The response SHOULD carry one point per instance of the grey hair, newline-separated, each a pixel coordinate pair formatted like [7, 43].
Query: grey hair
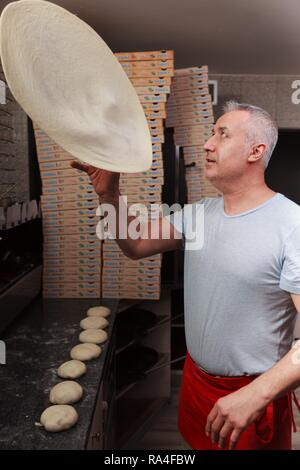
[264, 128]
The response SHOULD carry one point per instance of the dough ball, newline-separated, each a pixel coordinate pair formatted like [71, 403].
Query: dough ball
[100, 311]
[85, 352]
[71, 369]
[58, 418]
[93, 322]
[66, 392]
[93, 336]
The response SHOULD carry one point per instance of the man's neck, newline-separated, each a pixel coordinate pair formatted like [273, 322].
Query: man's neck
[243, 199]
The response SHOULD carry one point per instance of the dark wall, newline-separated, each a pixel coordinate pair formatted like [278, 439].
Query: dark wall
[34, 172]
[283, 172]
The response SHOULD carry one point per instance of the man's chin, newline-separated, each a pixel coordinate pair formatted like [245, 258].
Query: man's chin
[210, 175]
[212, 178]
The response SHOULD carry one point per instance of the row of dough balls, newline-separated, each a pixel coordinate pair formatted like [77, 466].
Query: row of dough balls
[61, 416]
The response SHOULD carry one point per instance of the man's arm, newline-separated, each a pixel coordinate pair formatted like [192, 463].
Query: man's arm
[296, 300]
[156, 236]
[232, 414]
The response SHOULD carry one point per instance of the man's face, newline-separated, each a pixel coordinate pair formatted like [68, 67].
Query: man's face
[227, 149]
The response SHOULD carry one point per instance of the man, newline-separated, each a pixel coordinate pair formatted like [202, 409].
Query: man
[242, 291]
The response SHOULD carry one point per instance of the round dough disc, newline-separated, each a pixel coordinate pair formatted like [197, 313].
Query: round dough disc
[66, 392]
[85, 352]
[93, 322]
[72, 86]
[71, 369]
[58, 418]
[100, 311]
[93, 336]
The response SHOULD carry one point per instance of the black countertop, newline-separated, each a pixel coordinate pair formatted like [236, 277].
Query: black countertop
[37, 343]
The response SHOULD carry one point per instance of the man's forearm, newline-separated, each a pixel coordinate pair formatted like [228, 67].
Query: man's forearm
[232, 414]
[284, 376]
[132, 235]
[122, 221]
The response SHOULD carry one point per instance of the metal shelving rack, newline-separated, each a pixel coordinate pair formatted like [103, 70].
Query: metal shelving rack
[139, 405]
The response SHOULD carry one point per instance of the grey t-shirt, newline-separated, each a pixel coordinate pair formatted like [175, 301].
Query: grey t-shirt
[239, 315]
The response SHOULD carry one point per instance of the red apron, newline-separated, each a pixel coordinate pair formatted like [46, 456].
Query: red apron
[200, 391]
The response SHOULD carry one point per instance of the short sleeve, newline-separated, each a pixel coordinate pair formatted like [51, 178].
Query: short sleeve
[290, 274]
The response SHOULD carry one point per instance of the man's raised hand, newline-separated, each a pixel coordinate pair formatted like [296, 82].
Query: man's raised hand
[106, 183]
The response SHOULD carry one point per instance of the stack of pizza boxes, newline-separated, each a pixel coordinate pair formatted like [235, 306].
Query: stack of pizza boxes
[72, 251]
[150, 74]
[189, 110]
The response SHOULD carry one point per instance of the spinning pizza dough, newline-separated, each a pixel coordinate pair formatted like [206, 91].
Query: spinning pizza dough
[93, 322]
[100, 311]
[93, 336]
[71, 369]
[65, 393]
[58, 418]
[72, 86]
[85, 352]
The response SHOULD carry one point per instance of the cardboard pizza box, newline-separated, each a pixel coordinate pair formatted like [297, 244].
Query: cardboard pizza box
[191, 70]
[146, 55]
[148, 81]
[68, 189]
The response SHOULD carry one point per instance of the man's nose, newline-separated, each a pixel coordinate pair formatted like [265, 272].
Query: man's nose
[209, 144]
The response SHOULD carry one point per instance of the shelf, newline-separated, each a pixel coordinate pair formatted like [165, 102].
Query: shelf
[138, 402]
[123, 348]
[134, 416]
[124, 304]
[163, 358]
[162, 320]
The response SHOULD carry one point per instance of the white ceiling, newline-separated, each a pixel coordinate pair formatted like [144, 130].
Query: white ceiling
[231, 36]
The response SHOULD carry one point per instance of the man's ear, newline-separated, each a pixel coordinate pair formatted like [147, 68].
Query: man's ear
[257, 152]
